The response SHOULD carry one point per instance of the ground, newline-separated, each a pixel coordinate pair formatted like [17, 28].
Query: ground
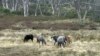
[53, 23]
[85, 41]
[11, 44]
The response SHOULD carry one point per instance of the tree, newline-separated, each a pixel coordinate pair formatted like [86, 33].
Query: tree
[26, 7]
[38, 7]
[82, 6]
[14, 5]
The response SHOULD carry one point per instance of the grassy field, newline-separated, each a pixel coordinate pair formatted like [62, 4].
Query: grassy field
[84, 43]
[85, 38]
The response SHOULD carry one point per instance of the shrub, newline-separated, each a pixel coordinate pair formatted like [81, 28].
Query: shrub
[17, 12]
[5, 11]
[71, 14]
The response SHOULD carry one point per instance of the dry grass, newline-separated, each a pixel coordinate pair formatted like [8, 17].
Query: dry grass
[85, 43]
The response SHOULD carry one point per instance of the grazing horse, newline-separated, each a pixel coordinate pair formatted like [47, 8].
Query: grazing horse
[69, 39]
[41, 39]
[55, 39]
[28, 37]
[61, 41]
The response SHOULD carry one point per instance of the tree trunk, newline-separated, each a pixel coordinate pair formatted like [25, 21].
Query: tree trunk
[79, 14]
[13, 3]
[26, 7]
[3, 4]
[16, 4]
[53, 11]
[59, 7]
[7, 7]
[84, 17]
[38, 7]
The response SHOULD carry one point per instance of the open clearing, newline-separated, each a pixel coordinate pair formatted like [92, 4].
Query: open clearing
[11, 43]
[85, 37]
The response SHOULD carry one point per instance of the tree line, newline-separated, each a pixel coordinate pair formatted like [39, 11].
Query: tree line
[68, 8]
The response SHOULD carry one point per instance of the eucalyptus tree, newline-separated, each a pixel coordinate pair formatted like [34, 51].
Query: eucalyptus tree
[7, 7]
[26, 7]
[0, 2]
[38, 7]
[5, 4]
[55, 6]
[52, 6]
[82, 8]
[14, 5]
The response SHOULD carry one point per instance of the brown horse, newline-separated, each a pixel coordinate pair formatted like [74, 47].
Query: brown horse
[69, 39]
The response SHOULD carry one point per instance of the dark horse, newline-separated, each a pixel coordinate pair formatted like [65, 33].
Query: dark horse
[55, 39]
[28, 37]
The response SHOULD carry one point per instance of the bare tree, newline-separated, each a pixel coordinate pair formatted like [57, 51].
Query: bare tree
[38, 7]
[26, 7]
[7, 7]
[14, 5]
[82, 6]
[56, 7]
[3, 3]
[52, 6]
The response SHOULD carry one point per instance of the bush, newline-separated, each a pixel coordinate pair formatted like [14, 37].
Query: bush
[94, 15]
[5, 11]
[71, 14]
[96, 19]
[17, 12]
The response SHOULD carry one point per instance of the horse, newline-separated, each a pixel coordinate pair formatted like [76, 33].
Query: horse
[61, 40]
[28, 37]
[41, 39]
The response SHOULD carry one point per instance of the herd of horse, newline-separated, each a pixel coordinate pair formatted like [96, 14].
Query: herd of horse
[59, 40]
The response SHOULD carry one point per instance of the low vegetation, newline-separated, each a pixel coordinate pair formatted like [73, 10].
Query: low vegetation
[85, 36]
[32, 22]
[76, 18]
[84, 43]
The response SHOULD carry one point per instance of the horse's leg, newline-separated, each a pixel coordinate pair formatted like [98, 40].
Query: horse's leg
[54, 43]
[60, 44]
[44, 42]
[63, 44]
[24, 40]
